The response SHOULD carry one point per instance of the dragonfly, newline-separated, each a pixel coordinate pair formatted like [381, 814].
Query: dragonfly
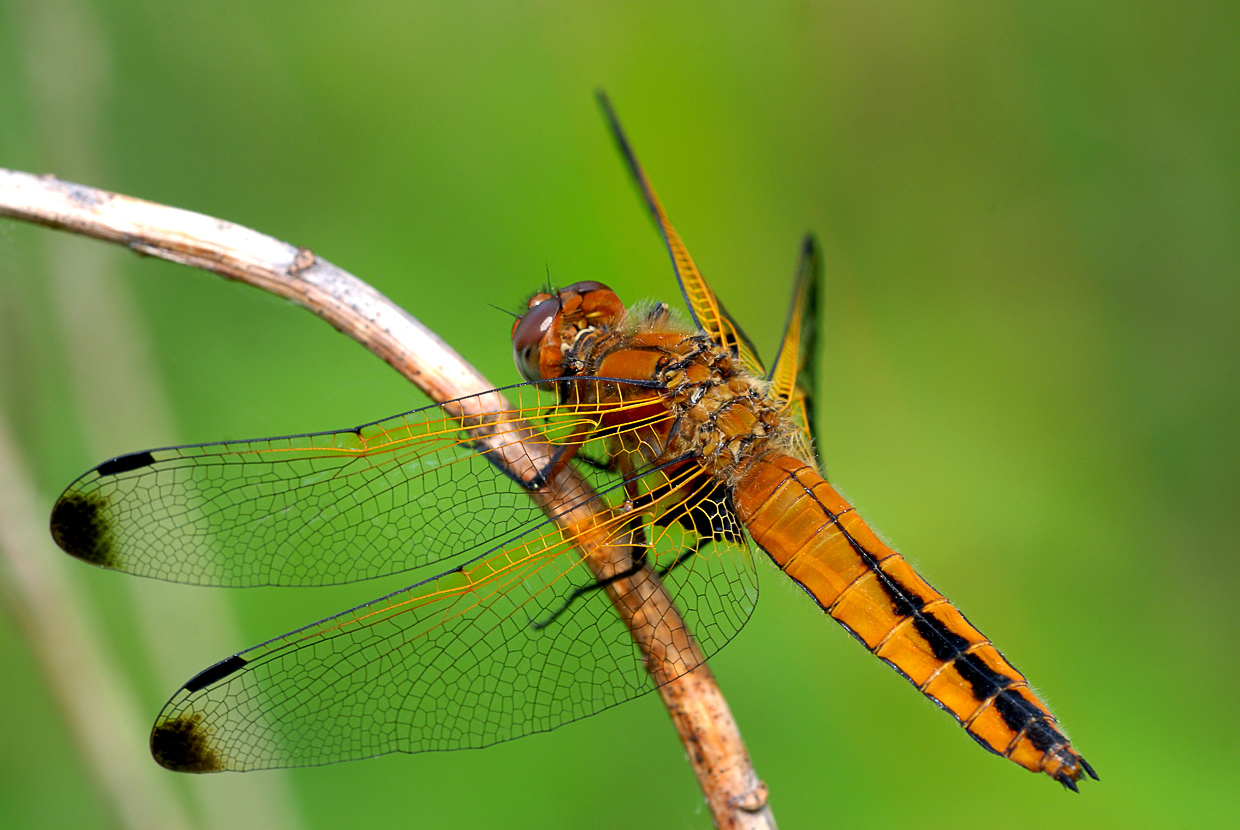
[683, 447]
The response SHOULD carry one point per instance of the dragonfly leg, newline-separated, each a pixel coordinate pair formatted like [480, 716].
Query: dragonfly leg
[639, 562]
[532, 478]
[606, 466]
[685, 556]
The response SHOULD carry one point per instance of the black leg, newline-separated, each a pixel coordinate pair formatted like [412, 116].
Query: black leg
[684, 557]
[639, 562]
[536, 479]
[605, 466]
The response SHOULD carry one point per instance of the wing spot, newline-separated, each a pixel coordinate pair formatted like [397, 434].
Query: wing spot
[183, 744]
[80, 525]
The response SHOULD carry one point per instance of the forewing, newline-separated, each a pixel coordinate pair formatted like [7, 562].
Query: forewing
[494, 650]
[708, 312]
[315, 509]
[794, 374]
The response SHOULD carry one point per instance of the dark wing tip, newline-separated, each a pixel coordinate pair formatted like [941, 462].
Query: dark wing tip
[80, 526]
[600, 95]
[622, 141]
[183, 744]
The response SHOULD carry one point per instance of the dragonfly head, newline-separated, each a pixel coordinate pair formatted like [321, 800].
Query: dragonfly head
[552, 323]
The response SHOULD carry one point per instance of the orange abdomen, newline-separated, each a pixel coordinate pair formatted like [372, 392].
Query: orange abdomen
[818, 539]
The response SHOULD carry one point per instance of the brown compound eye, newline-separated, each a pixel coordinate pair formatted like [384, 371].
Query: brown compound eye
[585, 287]
[528, 332]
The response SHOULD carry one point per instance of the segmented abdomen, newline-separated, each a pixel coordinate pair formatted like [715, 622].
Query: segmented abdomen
[818, 539]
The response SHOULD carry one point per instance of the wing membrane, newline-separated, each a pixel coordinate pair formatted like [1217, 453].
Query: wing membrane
[708, 312]
[794, 374]
[316, 509]
[457, 661]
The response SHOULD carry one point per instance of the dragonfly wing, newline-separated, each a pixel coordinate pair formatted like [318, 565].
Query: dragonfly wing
[794, 375]
[708, 312]
[518, 641]
[316, 509]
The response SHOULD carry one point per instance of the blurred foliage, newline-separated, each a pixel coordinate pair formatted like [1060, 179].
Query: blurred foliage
[1030, 212]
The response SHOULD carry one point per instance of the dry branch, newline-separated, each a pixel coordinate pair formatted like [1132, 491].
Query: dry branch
[712, 741]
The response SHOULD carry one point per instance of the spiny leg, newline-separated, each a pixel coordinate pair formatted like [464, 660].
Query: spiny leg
[606, 466]
[639, 563]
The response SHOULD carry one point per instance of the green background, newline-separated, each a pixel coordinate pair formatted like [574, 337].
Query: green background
[1031, 219]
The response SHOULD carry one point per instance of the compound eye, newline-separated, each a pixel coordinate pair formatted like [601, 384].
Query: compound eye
[528, 333]
[586, 287]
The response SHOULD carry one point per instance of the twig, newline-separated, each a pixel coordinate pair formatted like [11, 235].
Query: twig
[736, 796]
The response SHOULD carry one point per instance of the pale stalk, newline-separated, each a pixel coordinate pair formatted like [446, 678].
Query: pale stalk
[698, 709]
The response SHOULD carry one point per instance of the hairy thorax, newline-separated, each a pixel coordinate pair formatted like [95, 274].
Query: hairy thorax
[712, 408]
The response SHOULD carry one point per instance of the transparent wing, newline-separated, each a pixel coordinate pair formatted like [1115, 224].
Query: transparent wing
[794, 374]
[517, 641]
[316, 509]
[708, 312]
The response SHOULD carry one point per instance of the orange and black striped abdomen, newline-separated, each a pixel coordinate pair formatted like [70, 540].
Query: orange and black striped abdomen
[818, 539]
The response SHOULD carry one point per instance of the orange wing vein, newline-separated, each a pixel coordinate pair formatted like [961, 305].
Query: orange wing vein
[708, 312]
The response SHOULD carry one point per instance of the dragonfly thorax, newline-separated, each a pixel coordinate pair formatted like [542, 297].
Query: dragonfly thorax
[695, 400]
[718, 411]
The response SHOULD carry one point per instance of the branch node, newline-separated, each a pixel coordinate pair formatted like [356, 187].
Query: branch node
[753, 801]
[305, 259]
